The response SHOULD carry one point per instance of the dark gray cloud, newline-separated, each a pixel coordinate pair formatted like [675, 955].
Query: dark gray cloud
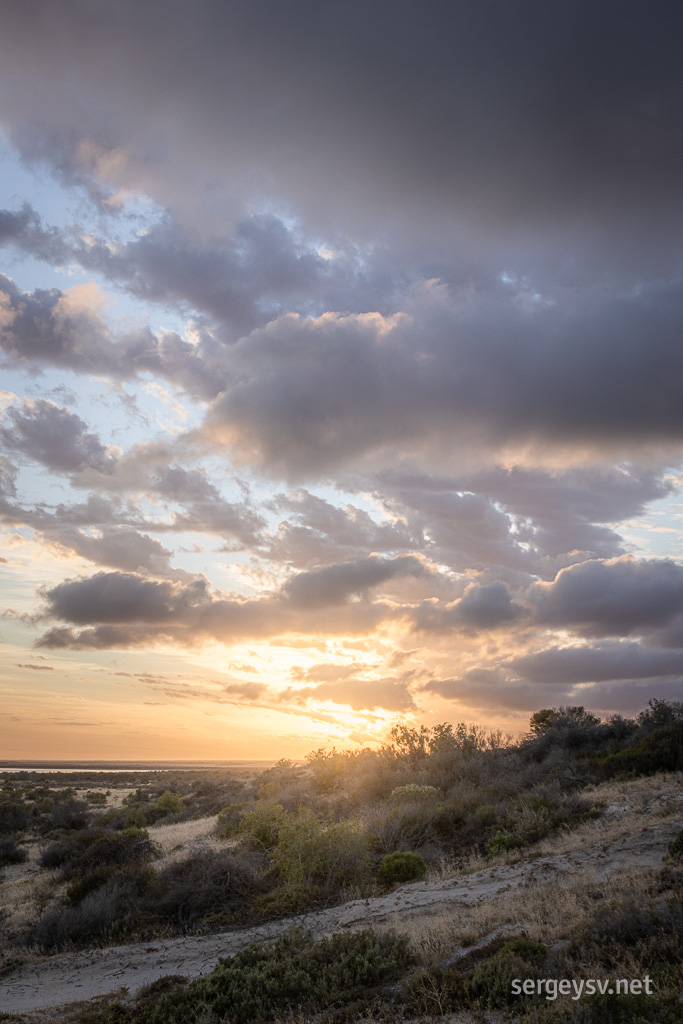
[618, 597]
[124, 597]
[55, 437]
[125, 609]
[490, 691]
[337, 584]
[558, 119]
[482, 607]
[118, 547]
[598, 664]
[457, 377]
[24, 229]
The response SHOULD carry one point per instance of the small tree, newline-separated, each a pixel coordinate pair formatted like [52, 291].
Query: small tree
[564, 715]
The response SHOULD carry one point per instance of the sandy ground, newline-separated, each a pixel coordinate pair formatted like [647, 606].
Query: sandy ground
[630, 839]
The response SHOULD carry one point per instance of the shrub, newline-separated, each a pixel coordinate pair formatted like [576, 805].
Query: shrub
[329, 857]
[14, 816]
[659, 713]
[85, 883]
[476, 980]
[400, 867]
[10, 852]
[260, 827]
[660, 750]
[676, 848]
[294, 973]
[491, 980]
[502, 842]
[171, 802]
[95, 916]
[138, 815]
[229, 819]
[96, 799]
[577, 716]
[68, 814]
[208, 883]
[85, 850]
[407, 826]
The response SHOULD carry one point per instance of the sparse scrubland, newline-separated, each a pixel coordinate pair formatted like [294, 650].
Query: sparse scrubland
[438, 807]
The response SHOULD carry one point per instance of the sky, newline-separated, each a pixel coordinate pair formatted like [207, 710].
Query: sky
[342, 350]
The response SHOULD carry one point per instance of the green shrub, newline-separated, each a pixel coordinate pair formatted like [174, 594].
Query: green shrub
[137, 815]
[290, 898]
[14, 816]
[490, 983]
[229, 819]
[68, 814]
[260, 827]
[329, 857]
[480, 979]
[82, 884]
[171, 802]
[107, 912]
[96, 799]
[502, 842]
[661, 750]
[84, 850]
[400, 867]
[294, 973]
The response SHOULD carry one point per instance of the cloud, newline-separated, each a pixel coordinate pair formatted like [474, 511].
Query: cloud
[482, 607]
[391, 693]
[336, 584]
[425, 119]
[450, 395]
[617, 597]
[606, 662]
[124, 609]
[55, 437]
[490, 691]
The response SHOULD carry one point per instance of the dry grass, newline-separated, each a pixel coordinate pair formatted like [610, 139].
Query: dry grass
[179, 838]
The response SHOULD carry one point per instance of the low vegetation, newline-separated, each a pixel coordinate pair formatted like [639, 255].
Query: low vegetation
[350, 824]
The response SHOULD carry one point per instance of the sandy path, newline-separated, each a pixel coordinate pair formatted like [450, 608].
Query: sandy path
[72, 977]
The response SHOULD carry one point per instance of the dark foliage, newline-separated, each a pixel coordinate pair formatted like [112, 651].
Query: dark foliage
[660, 751]
[261, 981]
[85, 850]
[11, 852]
[400, 867]
[14, 816]
[208, 884]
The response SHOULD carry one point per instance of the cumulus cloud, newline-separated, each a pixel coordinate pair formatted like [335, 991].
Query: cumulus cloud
[451, 392]
[337, 584]
[616, 597]
[55, 437]
[602, 663]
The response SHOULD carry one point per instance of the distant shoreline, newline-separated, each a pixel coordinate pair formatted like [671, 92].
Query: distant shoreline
[132, 766]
